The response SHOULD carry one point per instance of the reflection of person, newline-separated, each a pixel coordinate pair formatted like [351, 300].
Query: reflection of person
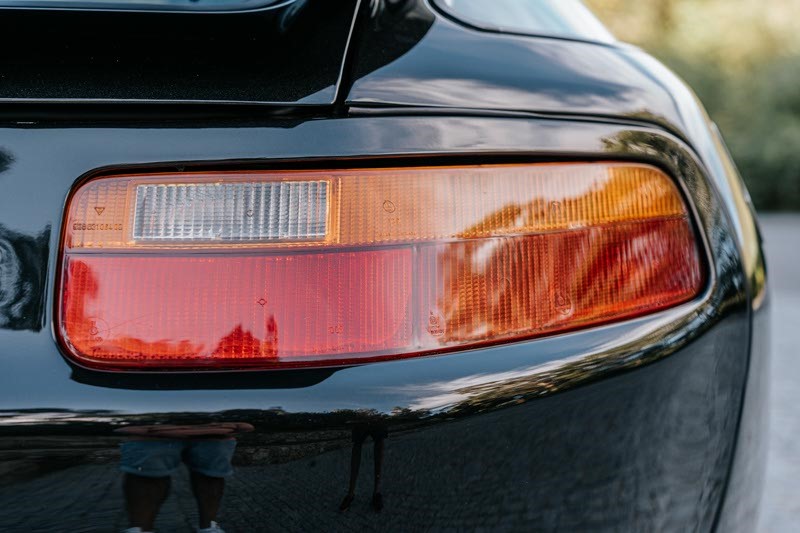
[154, 453]
[379, 433]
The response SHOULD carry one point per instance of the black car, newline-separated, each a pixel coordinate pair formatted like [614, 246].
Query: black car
[403, 265]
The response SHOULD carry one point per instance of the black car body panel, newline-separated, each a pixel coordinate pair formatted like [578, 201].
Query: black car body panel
[450, 65]
[170, 6]
[289, 54]
[652, 424]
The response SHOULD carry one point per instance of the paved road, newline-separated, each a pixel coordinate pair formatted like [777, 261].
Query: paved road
[780, 508]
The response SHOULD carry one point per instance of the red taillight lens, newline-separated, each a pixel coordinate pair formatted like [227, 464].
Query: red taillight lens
[291, 269]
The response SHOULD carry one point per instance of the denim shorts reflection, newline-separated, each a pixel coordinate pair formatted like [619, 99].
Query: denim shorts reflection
[163, 457]
[154, 453]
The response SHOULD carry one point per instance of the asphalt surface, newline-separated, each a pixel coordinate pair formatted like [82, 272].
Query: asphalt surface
[780, 507]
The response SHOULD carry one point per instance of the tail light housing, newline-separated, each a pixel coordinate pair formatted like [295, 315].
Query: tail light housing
[322, 268]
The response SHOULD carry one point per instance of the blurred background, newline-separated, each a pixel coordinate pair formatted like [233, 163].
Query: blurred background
[742, 58]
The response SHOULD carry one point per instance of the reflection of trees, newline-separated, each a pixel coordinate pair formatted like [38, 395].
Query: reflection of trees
[646, 144]
[23, 266]
[242, 343]
[409, 21]
[6, 160]
[76, 317]
[723, 247]
[96, 339]
[518, 285]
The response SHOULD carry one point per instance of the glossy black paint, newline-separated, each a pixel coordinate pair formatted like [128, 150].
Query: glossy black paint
[456, 69]
[292, 53]
[452, 66]
[652, 424]
[697, 355]
[196, 6]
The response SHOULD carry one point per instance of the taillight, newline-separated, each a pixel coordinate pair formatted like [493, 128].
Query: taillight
[299, 268]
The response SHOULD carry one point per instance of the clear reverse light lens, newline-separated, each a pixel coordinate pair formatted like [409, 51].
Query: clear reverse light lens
[197, 212]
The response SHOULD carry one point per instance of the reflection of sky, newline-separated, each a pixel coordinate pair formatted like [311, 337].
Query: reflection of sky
[13, 418]
[567, 18]
[442, 395]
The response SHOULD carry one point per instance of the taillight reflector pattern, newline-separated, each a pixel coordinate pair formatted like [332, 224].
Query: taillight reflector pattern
[287, 269]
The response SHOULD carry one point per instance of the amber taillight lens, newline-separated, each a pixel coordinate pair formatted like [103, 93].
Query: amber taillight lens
[320, 268]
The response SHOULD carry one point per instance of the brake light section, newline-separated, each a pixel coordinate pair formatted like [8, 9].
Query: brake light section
[320, 268]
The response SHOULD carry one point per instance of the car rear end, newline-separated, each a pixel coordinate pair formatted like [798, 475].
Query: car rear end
[520, 261]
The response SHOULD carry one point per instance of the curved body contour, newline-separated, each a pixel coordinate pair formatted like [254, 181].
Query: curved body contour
[651, 424]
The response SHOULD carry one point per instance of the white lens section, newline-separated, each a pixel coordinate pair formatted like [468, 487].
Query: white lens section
[265, 211]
